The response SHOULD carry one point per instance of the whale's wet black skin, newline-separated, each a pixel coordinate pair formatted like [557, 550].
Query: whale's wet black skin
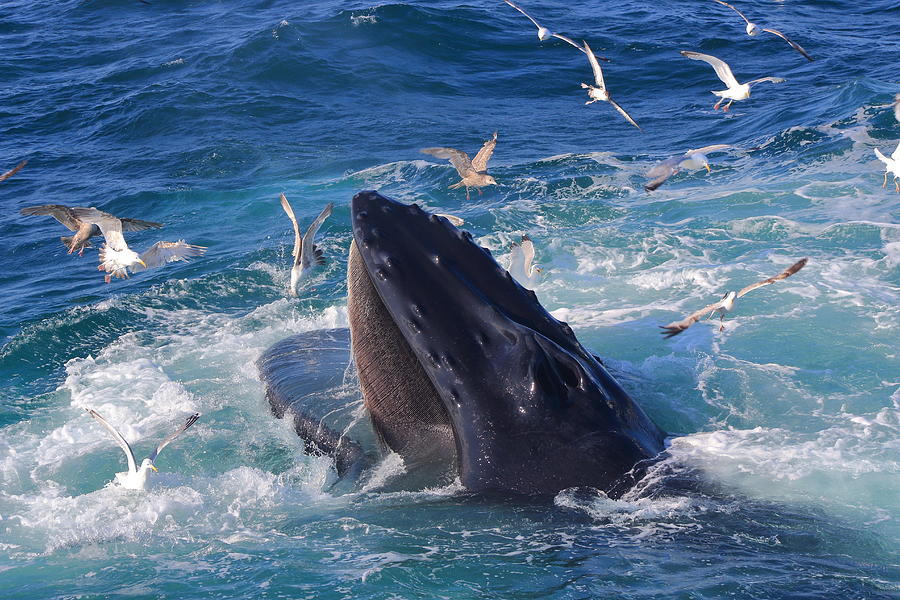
[461, 366]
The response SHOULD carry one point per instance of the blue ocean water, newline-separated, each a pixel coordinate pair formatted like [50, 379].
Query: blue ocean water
[198, 114]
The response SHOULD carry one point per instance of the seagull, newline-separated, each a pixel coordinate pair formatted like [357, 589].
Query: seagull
[896, 107]
[116, 258]
[136, 478]
[14, 170]
[692, 159]
[306, 254]
[83, 230]
[520, 256]
[599, 92]
[735, 91]
[473, 172]
[753, 31]
[544, 33]
[727, 302]
[891, 165]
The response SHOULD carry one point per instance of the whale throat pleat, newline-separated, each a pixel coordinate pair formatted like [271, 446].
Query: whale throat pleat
[406, 411]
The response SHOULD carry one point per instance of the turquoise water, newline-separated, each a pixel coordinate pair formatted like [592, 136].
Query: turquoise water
[198, 114]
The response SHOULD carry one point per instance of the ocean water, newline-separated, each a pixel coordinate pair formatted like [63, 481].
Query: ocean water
[198, 114]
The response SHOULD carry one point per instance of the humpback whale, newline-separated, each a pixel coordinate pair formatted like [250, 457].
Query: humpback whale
[461, 369]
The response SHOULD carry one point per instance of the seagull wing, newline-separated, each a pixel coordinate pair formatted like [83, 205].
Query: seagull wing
[309, 254]
[110, 226]
[458, 158]
[519, 8]
[161, 253]
[298, 239]
[896, 154]
[793, 44]
[662, 172]
[623, 113]
[479, 163]
[598, 73]
[770, 79]
[516, 260]
[878, 153]
[61, 213]
[735, 10]
[527, 247]
[138, 225]
[676, 327]
[708, 149]
[567, 40]
[190, 421]
[132, 466]
[783, 275]
[723, 71]
[14, 170]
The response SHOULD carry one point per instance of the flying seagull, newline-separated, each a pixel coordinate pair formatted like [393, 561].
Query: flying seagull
[83, 230]
[14, 170]
[544, 33]
[891, 165]
[521, 255]
[735, 91]
[753, 30]
[116, 258]
[136, 478]
[306, 254]
[692, 159]
[727, 302]
[473, 172]
[599, 91]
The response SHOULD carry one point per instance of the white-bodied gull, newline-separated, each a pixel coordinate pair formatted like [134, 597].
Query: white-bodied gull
[692, 160]
[735, 91]
[306, 254]
[598, 92]
[544, 34]
[727, 302]
[891, 165]
[135, 478]
[116, 258]
[753, 30]
[472, 171]
[521, 255]
[83, 230]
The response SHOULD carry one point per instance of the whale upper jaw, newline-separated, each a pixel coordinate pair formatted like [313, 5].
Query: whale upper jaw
[530, 410]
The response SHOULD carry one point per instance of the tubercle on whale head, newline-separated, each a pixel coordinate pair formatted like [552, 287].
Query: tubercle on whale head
[531, 410]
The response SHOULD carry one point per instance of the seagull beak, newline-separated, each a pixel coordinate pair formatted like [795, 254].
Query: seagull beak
[707, 168]
[143, 263]
[154, 468]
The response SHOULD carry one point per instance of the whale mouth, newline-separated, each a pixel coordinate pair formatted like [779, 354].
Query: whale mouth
[462, 367]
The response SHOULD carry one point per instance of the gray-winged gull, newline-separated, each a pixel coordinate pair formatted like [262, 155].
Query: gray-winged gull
[753, 30]
[521, 255]
[735, 91]
[306, 254]
[135, 478]
[727, 302]
[116, 258]
[598, 92]
[692, 159]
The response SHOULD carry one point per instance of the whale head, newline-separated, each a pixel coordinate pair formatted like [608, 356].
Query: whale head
[460, 364]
